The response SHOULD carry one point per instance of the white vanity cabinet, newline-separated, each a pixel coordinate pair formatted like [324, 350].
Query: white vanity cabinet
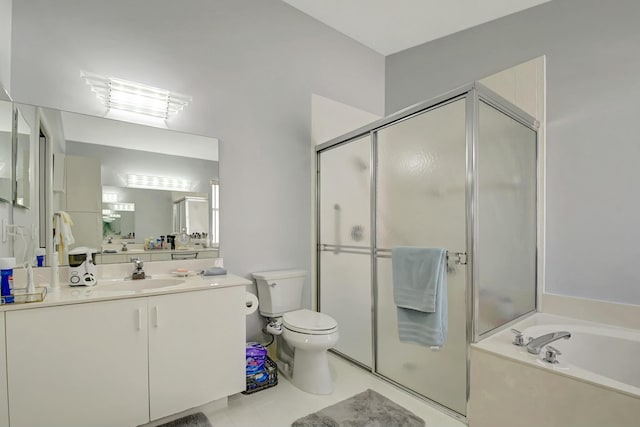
[196, 348]
[78, 365]
[123, 362]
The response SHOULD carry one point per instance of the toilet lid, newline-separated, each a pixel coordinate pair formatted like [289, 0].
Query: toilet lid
[309, 322]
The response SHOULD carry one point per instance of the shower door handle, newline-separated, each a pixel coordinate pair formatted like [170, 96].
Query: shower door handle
[336, 249]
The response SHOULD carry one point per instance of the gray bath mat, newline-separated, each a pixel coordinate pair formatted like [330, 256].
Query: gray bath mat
[194, 420]
[366, 409]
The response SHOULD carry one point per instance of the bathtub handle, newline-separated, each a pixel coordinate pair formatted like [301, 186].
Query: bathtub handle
[518, 339]
[550, 356]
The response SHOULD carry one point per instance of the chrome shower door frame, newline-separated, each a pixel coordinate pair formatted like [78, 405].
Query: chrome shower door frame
[472, 93]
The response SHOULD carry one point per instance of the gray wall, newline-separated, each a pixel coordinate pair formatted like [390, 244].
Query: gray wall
[5, 80]
[593, 63]
[5, 44]
[251, 67]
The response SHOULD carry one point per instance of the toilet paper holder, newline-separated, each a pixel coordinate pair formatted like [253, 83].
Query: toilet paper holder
[251, 303]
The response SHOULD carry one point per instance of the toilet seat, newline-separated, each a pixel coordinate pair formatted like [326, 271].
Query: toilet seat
[309, 322]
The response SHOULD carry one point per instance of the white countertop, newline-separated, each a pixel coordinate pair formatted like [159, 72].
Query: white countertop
[101, 292]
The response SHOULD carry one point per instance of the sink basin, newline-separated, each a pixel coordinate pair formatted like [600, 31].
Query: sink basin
[138, 285]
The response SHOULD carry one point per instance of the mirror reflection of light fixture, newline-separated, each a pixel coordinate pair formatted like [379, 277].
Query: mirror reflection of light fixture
[135, 97]
[109, 197]
[158, 183]
[126, 207]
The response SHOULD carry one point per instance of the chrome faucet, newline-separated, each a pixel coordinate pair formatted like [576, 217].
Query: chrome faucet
[138, 272]
[535, 345]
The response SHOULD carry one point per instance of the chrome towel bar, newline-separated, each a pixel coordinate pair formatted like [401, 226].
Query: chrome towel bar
[459, 258]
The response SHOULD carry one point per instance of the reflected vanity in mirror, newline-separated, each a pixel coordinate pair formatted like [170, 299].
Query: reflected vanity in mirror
[119, 182]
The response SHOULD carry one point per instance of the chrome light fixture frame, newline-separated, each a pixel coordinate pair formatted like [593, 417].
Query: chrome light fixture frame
[120, 94]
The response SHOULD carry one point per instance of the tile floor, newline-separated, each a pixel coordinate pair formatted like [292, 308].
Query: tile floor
[281, 405]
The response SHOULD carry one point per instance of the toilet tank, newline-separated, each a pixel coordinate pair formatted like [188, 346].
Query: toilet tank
[279, 291]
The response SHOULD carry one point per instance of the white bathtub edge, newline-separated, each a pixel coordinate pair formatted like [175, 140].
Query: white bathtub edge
[500, 346]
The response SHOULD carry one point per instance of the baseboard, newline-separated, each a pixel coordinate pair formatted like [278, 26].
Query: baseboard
[623, 315]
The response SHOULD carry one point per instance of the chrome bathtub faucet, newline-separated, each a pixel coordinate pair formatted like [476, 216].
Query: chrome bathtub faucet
[551, 355]
[535, 345]
[518, 339]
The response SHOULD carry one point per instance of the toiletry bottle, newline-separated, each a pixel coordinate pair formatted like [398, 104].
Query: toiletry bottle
[40, 252]
[6, 270]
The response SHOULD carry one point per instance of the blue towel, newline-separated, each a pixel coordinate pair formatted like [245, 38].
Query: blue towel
[420, 293]
[214, 271]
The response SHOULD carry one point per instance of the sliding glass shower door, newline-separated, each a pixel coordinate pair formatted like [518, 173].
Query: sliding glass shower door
[456, 173]
[420, 201]
[345, 245]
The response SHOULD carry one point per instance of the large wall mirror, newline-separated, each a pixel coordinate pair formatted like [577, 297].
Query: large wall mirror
[6, 164]
[119, 182]
[22, 163]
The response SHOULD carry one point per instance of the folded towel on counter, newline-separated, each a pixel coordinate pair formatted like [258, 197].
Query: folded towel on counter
[214, 271]
[420, 294]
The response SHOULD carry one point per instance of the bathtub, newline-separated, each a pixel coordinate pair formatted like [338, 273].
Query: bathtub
[605, 356]
[596, 381]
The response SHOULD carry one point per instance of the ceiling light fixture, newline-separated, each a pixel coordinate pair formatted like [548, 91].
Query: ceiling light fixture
[135, 97]
[158, 183]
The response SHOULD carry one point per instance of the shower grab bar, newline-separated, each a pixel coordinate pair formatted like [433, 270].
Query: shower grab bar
[459, 258]
[344, 249]
[328, 246]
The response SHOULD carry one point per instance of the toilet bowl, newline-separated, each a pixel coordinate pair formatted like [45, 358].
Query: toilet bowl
[310, 335]
[307, 334]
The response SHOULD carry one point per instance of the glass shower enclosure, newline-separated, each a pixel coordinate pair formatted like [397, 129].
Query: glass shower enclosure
[458, 172]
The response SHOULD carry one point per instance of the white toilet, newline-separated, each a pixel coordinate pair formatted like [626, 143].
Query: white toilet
[306, 334]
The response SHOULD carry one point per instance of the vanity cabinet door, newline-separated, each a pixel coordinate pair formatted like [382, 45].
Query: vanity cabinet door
[196, 348]
[78, 365]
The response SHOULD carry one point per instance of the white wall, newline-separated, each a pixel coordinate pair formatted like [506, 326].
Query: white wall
[591, 50]
[330, 118]
[5, 82]
[251, 67]
[5, 44]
